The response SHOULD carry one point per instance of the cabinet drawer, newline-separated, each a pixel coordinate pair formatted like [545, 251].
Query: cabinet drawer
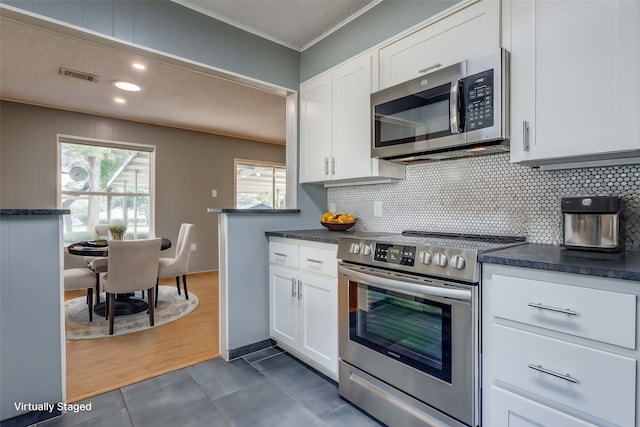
[510, 410]
[604, 316]
[319, 260]
[467, 33]
[283, 254]
[594, 382]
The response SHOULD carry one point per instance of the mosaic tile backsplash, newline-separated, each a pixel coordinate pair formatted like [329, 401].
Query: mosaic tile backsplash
[488, 195]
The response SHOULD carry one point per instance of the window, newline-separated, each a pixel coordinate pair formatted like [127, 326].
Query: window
[105, 183]
[260, 185]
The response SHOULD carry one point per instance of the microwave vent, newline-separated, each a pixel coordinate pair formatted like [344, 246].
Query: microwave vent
[78, 75]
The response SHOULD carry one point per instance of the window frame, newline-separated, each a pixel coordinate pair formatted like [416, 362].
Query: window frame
[259, 163]
[151, 149]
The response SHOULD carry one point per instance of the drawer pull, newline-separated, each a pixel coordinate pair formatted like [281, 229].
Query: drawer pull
[280, 254]
[549, 308]
[431, 67]
[316, 261]
[565, 377]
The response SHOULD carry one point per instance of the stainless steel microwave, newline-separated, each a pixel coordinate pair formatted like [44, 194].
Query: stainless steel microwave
[459, 110]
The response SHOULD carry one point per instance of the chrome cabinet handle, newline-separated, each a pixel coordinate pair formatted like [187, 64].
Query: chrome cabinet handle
[317, 261]
[333, 166]
[326, 166]
[565, 377]
[556, 309]
[525, 135]
[424, 70]
[299, 289]
[293, 287]
[454, 114]
[280, 254]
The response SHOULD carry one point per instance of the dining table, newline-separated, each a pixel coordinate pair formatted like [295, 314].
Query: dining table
[125, 303]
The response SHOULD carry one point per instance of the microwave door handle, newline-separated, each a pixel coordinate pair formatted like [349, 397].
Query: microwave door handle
[398, 285]
[454, 112]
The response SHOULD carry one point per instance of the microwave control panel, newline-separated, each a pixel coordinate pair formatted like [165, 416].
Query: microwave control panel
[478, 99]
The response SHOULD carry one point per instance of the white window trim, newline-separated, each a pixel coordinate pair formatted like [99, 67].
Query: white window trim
[257, 163]
[151, 149]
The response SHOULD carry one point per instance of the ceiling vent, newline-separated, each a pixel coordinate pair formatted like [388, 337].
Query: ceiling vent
[78, 75]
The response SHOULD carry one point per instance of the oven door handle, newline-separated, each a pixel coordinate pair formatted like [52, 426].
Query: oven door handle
[391, 284]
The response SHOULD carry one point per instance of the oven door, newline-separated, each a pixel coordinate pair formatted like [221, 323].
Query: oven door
[418, 335]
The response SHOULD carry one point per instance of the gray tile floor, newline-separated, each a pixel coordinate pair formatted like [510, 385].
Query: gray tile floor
[268, 388]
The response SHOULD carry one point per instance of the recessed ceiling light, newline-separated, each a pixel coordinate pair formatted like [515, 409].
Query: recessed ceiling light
[119, 100]
[138, 66]
[129, 87]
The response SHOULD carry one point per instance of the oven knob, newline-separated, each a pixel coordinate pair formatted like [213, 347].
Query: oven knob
[457, 262]
[425, 257]
[355, 248]
[440, 259]
[366, 249]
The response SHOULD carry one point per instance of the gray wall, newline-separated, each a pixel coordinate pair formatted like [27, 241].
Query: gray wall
[30, 312]
[188, 166]
[375, 26]
[168, 27]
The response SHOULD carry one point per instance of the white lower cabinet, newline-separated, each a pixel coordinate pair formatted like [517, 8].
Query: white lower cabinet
[303, 302]
[510, 409]
[547, 358]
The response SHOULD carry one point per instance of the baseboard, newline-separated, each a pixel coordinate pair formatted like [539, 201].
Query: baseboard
[239, 352]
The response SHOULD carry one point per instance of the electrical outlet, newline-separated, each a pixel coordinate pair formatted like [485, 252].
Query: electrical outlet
[214, 193]
[194, 247]
[377, 209]
[332, 207]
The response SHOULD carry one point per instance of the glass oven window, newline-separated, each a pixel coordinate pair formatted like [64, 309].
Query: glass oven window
[416, 117]
[410, 329]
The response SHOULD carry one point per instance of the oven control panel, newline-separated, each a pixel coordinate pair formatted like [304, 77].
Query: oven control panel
[395, 254]
[432, 260]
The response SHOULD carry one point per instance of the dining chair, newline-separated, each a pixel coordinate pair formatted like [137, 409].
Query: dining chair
[78, 278]
[133, 266]
[178, 266]
[98, 264]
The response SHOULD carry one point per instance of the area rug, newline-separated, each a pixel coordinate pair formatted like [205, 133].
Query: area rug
[171, 306]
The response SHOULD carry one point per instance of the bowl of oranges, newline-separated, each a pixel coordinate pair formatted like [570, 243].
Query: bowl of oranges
[338, 222]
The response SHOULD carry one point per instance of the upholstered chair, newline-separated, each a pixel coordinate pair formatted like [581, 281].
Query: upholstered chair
[178, 266]
[80, 278]
[99, 264]
[133, 266]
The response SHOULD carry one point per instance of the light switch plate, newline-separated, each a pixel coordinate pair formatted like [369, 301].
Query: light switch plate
[377, 209]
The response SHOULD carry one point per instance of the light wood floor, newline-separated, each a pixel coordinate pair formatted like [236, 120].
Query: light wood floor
[100, 365]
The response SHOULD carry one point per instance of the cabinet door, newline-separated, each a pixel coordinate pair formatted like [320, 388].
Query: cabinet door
[319, 320]
[315, 129]
[510, 410]
[283, 305]
[470, 31]
[351, 141]
[574, 78]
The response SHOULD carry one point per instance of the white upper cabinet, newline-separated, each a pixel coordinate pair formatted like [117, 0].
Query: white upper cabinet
[575, 73]
[465, 31]
[335, 127]
[315, 129]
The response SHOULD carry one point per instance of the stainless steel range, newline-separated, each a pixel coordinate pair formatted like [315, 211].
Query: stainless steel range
[409, 326]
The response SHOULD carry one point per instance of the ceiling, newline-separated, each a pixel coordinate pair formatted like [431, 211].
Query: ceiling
[293, 23]
[174, 92]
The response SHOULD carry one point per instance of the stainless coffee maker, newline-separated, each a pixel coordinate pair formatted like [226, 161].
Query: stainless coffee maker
[592, 223]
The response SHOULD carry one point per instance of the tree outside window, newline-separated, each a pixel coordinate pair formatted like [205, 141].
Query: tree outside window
[105, 183]
[260, 185]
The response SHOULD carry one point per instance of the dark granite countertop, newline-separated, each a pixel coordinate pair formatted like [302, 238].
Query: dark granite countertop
[318, 235]
[15, 212]
[252, 211]
[554, 258]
